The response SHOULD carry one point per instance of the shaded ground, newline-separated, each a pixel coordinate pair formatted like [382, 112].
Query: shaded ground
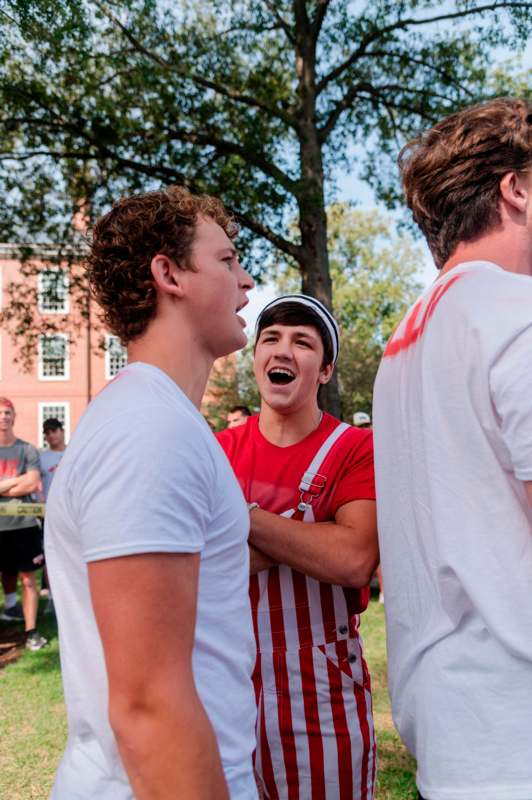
[11, 643]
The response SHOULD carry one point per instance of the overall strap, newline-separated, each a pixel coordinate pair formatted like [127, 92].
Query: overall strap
[306, 483]
[312, 482]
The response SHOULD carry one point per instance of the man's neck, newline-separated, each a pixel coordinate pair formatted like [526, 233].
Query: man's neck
[176, 354]
[58, 449]
[289, 428]
[510, 253]
[7, 438]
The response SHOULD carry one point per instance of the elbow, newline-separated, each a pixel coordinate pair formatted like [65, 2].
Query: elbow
[359, 574]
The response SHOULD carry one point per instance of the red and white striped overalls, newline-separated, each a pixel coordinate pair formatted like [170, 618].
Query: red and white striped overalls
[315, 736]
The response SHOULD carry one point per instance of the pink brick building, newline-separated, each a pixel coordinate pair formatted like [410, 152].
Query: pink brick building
[69, 368]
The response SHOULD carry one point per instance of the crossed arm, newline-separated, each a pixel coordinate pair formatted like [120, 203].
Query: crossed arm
[164, 736]
[21, 485]
[344, 552]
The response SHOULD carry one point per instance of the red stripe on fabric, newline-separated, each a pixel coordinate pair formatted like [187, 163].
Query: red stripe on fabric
[374, 767]
[268, 775]
[327, 611]
[341, 730]
[284, 707]
[362, 713]
[254, 596]
[312, 721]
[357, 600]
[276, 610]
[302, 609]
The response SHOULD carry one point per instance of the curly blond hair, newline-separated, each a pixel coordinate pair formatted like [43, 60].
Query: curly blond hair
[451, 173]
[124, 242]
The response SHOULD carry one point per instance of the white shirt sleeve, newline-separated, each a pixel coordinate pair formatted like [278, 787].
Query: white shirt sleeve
[142, 486]
[511, 393]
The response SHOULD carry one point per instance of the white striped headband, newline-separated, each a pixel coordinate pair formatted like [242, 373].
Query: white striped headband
[319, 310]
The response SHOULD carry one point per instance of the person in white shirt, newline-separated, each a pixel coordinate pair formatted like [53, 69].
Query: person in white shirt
[146, 526]
[54, 434]
[453, 454]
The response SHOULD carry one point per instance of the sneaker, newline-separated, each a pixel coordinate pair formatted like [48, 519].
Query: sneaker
[35, 641]
[12, 614]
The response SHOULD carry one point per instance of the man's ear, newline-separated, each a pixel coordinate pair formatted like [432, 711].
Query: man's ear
[326, 374]
[167, 276]
[515, 188]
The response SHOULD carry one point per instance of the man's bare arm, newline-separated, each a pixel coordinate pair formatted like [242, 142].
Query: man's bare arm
[164, 736]
[21, 485]
[344, 552]
[259, 560]
[528, 486]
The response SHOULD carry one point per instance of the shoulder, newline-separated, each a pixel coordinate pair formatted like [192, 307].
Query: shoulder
[232, 439]
[29, 449]
[351, 439]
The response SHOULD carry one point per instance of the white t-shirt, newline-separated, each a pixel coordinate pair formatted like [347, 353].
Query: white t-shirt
[453, 443]
[49, 462]
[144, 474]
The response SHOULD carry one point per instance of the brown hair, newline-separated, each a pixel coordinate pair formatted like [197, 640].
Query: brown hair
[126, 239]
[451, 173]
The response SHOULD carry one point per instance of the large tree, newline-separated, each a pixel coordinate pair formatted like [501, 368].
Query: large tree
[259, 102]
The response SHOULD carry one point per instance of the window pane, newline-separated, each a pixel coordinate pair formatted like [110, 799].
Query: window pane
[53, 356]
[53, 291]
[116, 355]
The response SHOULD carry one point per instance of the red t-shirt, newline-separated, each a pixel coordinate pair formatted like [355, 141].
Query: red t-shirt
[270, 475]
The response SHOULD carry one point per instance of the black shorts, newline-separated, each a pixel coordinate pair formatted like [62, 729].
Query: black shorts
[21, 550]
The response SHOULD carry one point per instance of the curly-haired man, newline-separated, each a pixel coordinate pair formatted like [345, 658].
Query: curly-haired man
[147, 527]
[453, 453]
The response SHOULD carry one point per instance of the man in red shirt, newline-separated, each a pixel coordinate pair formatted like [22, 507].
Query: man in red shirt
[308, 479]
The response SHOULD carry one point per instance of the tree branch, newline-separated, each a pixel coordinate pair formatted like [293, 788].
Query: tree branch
[317, 22]
[406, 23]
[270, 5]
[282, 244]
[159, 171]
[232, 148]
[438, 70]
[206, 83]
[375, 91]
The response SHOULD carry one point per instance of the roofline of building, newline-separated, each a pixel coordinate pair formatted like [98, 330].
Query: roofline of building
[15, 249]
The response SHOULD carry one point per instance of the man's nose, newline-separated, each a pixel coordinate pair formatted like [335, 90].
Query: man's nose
[245, 281]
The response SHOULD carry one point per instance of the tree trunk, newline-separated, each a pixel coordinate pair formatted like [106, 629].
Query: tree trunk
[316, 281]
[314, 260]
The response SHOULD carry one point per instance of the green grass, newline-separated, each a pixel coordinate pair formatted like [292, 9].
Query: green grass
[396, 769]
[33, 723]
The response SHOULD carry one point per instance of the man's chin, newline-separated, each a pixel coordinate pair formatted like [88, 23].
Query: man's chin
[232, 345]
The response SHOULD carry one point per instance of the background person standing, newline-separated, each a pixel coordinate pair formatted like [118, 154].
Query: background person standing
[21, 547]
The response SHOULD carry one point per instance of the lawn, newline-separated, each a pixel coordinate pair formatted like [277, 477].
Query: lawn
[33, 724]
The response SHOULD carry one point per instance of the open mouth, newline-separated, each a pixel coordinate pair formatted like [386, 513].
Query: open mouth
[280, 376]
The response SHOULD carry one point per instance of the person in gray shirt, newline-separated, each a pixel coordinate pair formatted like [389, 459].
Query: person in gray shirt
[21, 548]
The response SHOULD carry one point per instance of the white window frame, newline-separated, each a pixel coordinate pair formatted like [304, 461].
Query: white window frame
[109, 337]
[41, 417]
[66, 376]
[41, 294]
